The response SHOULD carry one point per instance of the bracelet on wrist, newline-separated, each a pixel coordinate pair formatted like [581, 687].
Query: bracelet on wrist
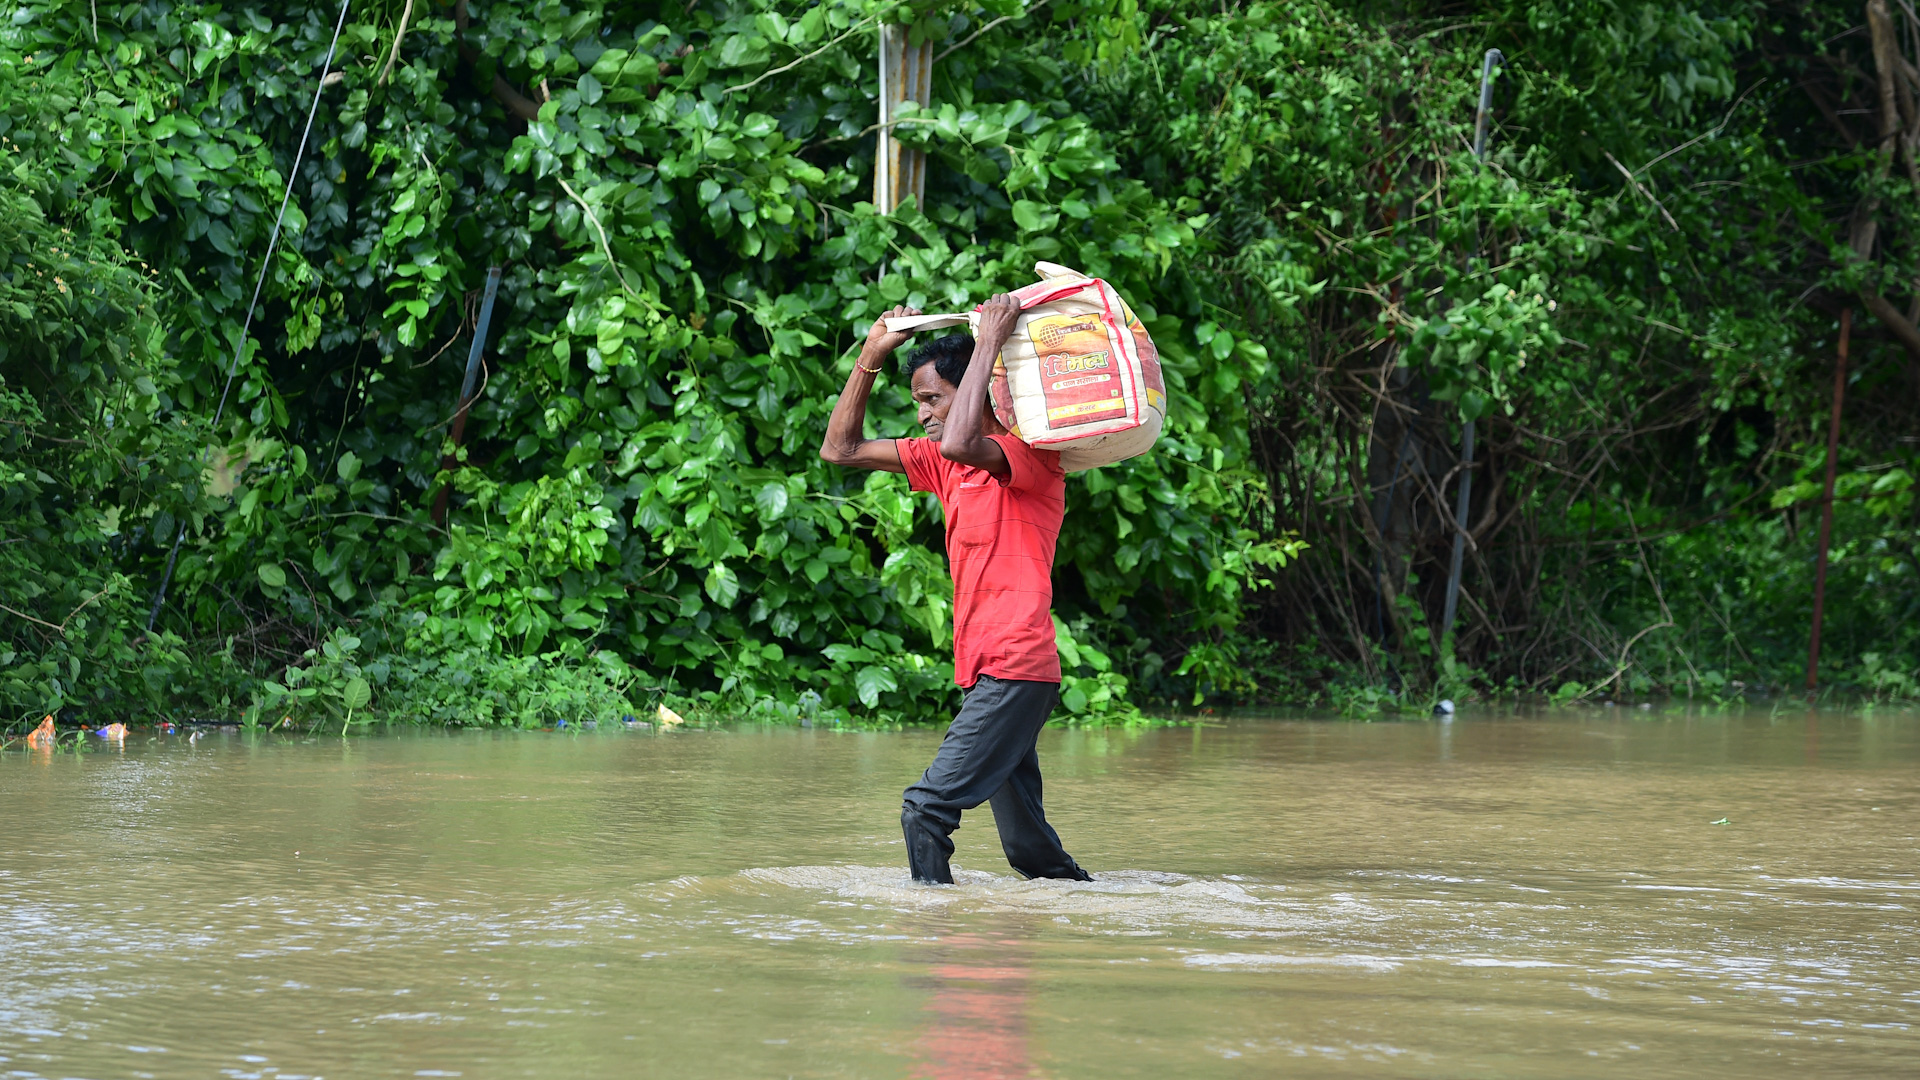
[875, 370]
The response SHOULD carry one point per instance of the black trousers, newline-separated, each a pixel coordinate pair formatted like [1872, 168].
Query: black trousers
[988, 754]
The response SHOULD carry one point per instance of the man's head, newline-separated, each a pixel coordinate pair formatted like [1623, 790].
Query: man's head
[934, 371]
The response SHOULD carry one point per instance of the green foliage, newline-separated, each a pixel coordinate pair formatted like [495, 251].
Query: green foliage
[332, 680]
[689, 261]
[90, 453]
[464, 686]
[1632, 297]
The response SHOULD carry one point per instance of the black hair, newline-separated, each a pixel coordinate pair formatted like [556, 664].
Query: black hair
[948, 355]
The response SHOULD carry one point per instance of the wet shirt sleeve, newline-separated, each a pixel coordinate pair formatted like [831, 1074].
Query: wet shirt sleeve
[926, 469]
[1032, 470]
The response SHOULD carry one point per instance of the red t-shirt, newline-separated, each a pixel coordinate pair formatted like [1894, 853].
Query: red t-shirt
[1000, 539]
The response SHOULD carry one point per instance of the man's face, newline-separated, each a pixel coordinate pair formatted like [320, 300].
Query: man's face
[934, 396]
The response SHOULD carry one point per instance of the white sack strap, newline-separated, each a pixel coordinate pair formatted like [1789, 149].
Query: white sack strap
[1055, 281]
[907, 324]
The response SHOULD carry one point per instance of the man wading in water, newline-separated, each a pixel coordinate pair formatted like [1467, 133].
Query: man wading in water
[1003, 501]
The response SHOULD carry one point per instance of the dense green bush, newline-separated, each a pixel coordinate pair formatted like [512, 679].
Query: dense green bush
[90, 451]
[1634, 297]
[689, 259]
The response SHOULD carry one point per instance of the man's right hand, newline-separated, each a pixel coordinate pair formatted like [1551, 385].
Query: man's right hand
[845, 444]
[882, 341]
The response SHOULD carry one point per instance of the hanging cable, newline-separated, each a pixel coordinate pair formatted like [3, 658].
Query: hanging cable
[266, 264]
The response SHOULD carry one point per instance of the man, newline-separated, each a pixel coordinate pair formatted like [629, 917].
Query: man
[1003, 502]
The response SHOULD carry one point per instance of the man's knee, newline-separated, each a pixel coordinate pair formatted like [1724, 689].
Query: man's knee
[917, 808]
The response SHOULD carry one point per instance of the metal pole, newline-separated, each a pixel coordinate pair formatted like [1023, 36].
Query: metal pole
[883, 148]
[1481, 121]
[1484, 116]
[1459, 530]
[906, 74]
[917, 62]
[479, 346]
[1826, 503]
[883, 180]
[466, 384]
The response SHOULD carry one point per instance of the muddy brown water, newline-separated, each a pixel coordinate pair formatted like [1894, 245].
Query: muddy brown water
[1494, 897]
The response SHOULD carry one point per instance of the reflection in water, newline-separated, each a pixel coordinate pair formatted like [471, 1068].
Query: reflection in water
[976, 1026]
[1516, 898]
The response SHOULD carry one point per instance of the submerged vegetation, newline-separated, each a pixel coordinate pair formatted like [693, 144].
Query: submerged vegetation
[1635, 298]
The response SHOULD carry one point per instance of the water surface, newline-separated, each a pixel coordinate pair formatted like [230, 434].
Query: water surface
[1495, 897]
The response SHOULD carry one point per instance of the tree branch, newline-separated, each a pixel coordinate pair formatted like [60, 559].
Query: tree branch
[1885, 52]
[61, 629]
[515, 102]
[399, 35]
[605, 248]
[1819, 99]
[968, 40]
[1896, 322]
[764, 76]
[1637, 186]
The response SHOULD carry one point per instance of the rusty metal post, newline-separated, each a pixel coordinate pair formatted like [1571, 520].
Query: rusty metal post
[1826, 504]
[466, 385]
[906, 74]
[1481, 121]
[1483, 117]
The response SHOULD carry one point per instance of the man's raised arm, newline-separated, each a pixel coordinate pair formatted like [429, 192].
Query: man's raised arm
[846, 442]
[964, 438]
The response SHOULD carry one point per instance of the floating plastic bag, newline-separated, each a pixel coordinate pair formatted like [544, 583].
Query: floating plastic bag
[1078, 374]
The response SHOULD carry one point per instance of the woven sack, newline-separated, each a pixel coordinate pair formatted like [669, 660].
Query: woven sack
[1079, 374]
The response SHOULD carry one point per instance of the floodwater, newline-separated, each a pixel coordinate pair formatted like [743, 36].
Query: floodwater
[1494, 897]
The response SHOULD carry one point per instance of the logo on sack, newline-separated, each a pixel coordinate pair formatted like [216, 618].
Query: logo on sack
[1051, 332]
[1068, 365]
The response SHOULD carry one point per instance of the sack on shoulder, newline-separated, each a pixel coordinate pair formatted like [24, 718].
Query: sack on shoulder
[1079, 374]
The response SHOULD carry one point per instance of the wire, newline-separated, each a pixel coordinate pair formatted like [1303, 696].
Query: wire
[266, 264]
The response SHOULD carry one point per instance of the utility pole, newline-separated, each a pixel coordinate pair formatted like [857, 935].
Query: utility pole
[1481, 122]
[906, 74]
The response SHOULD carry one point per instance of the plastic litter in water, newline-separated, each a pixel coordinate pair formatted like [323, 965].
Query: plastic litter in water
[42, 735]
[113, 732]
[669, 718]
